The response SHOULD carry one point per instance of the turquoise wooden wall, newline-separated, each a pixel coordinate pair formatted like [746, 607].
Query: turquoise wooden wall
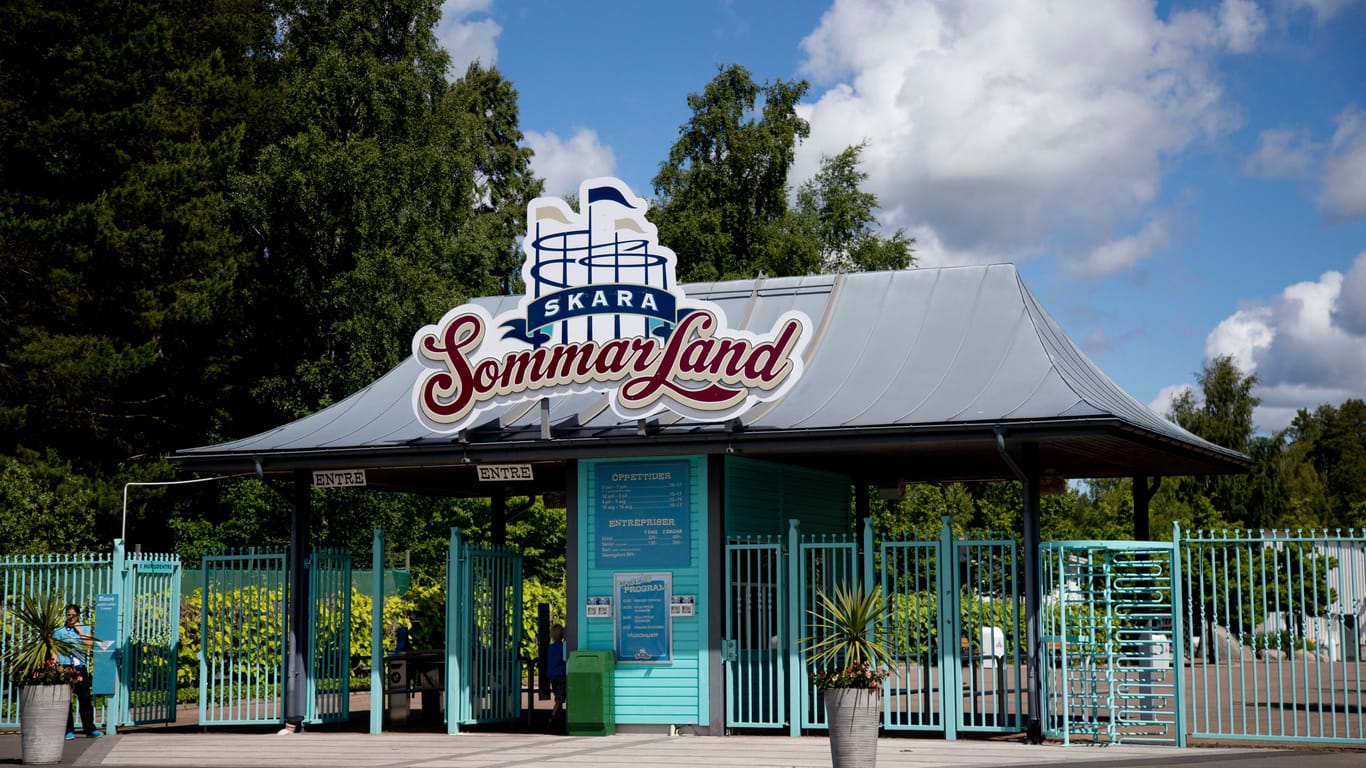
[675, 693]
[762, 496]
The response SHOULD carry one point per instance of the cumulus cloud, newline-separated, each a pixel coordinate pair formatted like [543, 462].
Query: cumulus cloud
[1307, 346]
[996, 123]
[468, 34]
[1241, 23]
[563, 163]
[1125, 253]
[1343, 194]
[1283, 152]
[1323, 10]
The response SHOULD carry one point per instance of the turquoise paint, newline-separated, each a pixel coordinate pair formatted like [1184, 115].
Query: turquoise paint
[761, 497]
[676, 693]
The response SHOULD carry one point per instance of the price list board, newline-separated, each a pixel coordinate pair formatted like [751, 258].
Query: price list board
[643, 515]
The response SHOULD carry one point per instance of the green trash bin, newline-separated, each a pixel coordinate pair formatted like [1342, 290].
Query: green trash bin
[591, 694]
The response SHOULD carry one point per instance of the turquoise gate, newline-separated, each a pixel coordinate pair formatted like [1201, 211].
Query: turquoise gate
[1111, 633]
[1274, 622]
[244, 635]
[483, 679]
[329, 636]
[966, 590]
[756, 620]
[147, 589]
[243, 638]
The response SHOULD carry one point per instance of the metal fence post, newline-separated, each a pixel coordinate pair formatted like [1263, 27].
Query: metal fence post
[377, 632]
[797, 685]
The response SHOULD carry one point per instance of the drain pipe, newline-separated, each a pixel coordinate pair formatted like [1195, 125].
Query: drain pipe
[1033, 654]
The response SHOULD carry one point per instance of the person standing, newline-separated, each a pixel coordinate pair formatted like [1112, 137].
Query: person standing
[556, 670]
[77, 633]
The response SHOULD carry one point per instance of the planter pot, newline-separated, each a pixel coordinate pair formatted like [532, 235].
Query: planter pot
[852, 715]
[42, 721]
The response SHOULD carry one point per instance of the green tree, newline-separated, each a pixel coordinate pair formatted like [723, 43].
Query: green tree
[1221, 414]
[120, 125]
[1333, 441]
[723, 191]
[834, 206]
[356, 203]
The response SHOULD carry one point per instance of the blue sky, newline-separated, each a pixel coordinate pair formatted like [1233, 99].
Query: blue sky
[1175, 180]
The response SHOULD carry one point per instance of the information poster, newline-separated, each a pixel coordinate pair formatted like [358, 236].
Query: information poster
[103, 666]
[642, 617]
[643, 515]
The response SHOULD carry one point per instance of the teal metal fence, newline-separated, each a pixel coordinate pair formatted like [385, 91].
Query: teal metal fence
[756, 619]
[243, 638]
[1275, 634]
[145, 587]
[329, 636]
[483, 679]
[1111, 631]
[149, 636]
[952, 616]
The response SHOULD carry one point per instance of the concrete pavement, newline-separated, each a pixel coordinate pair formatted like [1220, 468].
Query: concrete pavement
[216, 748]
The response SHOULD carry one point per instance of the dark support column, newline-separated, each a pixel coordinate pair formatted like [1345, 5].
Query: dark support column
[1033, 647]
[574, 571]
[296, 699]
[714, 602]
[862, 506]
[498, 517]
[1143, 494]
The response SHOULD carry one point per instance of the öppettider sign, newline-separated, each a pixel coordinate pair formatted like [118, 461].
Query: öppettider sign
[603, 312]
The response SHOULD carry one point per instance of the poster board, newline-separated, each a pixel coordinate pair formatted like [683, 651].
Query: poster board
[643, 631]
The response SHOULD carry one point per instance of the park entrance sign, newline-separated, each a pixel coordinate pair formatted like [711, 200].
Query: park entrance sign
[603, 312]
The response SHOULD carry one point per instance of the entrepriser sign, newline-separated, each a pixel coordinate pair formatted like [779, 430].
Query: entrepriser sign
[603, 312]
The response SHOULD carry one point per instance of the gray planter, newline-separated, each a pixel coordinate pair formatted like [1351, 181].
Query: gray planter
[852, 715]
[42, 722]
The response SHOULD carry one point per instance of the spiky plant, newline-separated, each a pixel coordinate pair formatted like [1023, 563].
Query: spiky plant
[30, 656]
[844, 629]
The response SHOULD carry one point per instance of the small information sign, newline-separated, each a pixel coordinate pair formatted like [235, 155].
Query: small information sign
[104, 672]
[495, 473]
[339, 478]
[599, 607]
[683, 605]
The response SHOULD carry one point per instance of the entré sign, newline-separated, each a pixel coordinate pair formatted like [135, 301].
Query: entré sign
[603, 312]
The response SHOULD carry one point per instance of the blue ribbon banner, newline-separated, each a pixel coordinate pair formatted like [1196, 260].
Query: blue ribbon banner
[595, 299]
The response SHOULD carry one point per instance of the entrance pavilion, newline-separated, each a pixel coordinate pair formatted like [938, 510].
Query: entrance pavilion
[922, 375]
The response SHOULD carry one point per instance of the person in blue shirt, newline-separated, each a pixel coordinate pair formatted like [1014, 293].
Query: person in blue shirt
[556, 670]
[76, 633]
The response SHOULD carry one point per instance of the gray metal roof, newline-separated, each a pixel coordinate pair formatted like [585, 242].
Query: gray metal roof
[910, 376]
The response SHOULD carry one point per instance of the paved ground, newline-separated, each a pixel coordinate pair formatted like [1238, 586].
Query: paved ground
[216, 748]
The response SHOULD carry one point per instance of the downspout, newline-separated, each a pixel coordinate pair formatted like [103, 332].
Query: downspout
[1033, 655]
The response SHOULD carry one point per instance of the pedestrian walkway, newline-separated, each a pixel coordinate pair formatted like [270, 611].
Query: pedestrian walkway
[217, 749]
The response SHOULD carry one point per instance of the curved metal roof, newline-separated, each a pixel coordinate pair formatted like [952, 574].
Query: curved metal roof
[910, 376]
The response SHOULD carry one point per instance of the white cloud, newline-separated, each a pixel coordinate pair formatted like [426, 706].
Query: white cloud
[1162, 404]
[1122, 255]
[997, 123]
[1323, 10]
[1283, 153]
[1241, 22]
[468, 35]
[565, 163]
[1343, 194]
[1307, 346]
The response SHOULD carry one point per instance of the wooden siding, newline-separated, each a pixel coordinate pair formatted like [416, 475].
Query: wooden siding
[675, 693]
[762, 496]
